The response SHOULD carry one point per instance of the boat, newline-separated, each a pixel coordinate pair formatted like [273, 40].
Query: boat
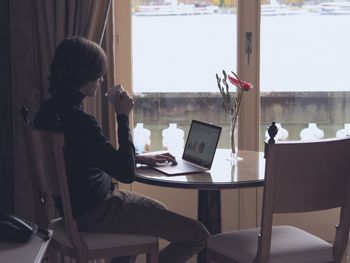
[178, 9]
[273, 10]
[335, 8]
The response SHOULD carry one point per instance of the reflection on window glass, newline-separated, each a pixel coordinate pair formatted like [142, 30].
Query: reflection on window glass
[177, 48]
[305, 80]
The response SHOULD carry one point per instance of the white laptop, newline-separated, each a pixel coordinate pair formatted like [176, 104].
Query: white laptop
[200, 148]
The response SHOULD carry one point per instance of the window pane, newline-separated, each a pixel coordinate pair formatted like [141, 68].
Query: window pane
[304, 77]
[178, 47]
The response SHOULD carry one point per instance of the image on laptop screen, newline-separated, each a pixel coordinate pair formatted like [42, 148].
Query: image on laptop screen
[201, 143]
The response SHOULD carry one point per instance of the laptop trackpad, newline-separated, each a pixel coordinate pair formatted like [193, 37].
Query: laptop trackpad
[182, 167]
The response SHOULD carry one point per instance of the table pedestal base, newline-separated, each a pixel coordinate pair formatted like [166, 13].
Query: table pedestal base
[209, 213]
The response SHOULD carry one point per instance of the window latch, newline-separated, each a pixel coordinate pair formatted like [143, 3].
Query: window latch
[248, 44]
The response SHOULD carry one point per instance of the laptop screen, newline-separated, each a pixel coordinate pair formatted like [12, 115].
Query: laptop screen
[201, 143]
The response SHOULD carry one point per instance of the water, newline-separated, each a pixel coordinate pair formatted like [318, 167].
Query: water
[305, 52]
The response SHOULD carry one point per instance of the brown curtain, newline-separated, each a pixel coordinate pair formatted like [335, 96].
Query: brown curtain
[51, 21]
[58, 19]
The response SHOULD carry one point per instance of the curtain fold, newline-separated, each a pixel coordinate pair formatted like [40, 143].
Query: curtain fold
[52, 21]
[111, 76]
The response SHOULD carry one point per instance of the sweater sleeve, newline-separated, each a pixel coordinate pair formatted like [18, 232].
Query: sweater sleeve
[124, 136]
[98, 151]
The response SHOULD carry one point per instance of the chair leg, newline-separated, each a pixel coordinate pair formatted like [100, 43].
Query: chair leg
[208, 255]
[151, 258]
[153, 255]
[53, 255]
[82, 260]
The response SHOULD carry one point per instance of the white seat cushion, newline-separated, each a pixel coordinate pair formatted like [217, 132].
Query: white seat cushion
[288, 245]
[100, 240]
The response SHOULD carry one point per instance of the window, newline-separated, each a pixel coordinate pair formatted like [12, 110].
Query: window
[304, 72]
[177, 48]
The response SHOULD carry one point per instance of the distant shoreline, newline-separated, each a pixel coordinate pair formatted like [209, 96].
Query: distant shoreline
[327, 8]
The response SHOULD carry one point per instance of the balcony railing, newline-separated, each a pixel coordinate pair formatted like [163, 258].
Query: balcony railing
[294, 110]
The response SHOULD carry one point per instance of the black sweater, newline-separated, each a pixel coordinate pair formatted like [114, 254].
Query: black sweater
[90, 159]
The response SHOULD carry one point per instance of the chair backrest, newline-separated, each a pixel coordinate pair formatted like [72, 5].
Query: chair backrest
[49, 179]
[306, 176]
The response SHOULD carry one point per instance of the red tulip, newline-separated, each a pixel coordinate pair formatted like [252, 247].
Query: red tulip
[240, 83]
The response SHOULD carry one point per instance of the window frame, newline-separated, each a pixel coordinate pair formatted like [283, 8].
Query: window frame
[249, 117]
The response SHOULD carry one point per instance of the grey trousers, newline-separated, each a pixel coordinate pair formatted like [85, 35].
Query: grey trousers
[132, 213]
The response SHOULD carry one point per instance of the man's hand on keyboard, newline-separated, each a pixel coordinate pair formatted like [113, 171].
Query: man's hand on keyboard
[156, 159]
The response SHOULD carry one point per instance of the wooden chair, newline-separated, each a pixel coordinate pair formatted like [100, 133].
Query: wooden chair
[67, 240]
[299, 177]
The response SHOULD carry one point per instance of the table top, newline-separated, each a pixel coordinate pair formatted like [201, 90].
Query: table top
[30, 252]
[248, 172]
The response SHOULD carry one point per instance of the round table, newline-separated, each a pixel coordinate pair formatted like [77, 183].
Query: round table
[224, 174]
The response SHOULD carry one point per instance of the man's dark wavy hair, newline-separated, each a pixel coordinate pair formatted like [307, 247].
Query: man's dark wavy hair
[76, 62]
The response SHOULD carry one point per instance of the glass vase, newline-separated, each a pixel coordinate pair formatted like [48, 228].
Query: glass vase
[234, 139]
